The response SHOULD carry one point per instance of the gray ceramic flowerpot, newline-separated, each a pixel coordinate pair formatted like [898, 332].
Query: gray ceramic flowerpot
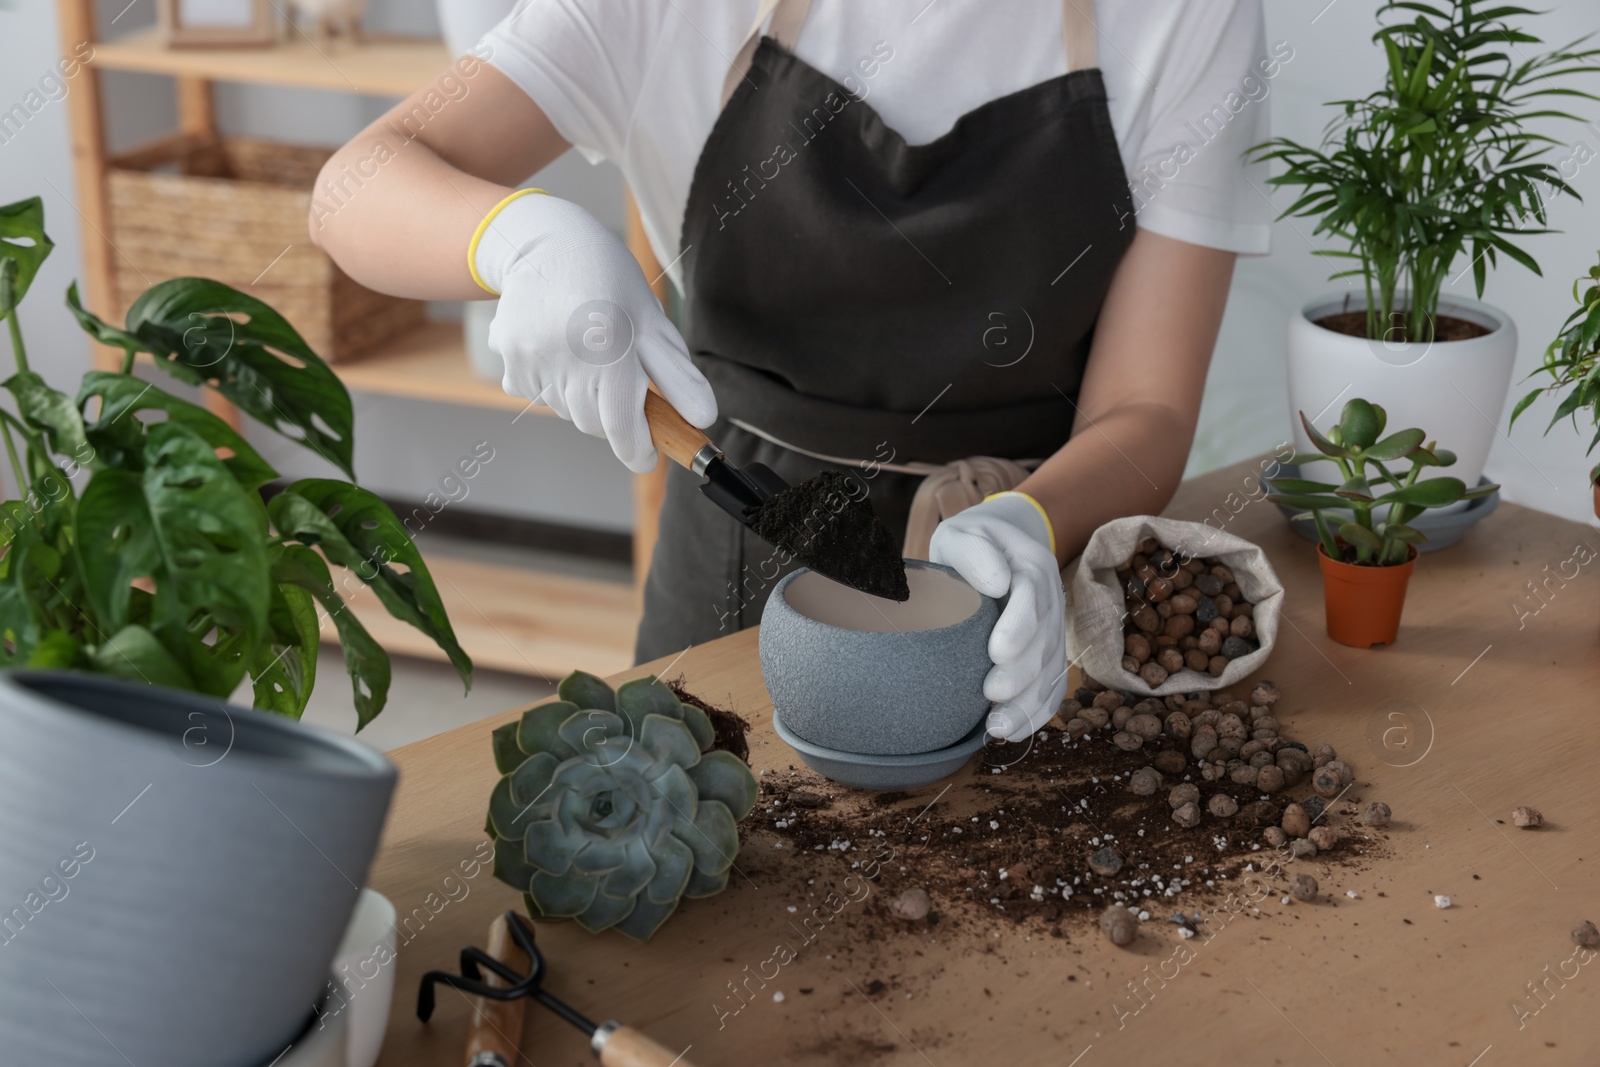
[860, 674]
[175, 872]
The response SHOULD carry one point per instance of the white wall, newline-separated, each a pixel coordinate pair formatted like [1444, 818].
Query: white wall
[543, 469]
[1246, 410]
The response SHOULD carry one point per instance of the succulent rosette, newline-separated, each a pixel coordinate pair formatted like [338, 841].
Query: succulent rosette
[613, 805]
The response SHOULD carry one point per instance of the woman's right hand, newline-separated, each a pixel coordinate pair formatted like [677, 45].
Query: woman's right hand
[578, 327]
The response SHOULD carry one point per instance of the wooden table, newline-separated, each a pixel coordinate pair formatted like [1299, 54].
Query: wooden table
[1497, 693]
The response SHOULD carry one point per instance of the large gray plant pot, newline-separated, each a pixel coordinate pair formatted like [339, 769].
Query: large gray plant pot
[859, 674]
[175, 872]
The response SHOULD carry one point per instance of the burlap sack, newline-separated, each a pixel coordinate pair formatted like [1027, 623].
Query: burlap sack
[1096, 606]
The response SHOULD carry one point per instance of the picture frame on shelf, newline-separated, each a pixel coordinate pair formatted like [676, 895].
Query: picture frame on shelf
[217, 23]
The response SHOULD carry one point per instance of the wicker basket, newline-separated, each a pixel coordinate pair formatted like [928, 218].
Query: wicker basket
[235, 210]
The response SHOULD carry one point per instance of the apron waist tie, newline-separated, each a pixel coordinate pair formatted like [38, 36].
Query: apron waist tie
[946, 488]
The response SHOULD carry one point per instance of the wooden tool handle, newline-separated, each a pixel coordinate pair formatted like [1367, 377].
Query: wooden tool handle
[496, 1025]
[627, 1047]
[671, 432]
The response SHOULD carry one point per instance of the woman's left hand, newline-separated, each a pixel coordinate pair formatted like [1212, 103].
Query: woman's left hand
[1005, 546]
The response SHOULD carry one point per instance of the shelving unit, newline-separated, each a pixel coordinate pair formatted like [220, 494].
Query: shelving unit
[507, 618]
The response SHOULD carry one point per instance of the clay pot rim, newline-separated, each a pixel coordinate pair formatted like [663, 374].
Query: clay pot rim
[1346, 569]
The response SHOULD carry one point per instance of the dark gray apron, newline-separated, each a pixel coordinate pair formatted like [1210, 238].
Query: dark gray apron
[853, 296]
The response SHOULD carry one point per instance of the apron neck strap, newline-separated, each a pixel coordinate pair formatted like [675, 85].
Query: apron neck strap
[789, 17]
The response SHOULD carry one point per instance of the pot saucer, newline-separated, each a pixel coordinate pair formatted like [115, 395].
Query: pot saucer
[865, 771]
[1441, 528]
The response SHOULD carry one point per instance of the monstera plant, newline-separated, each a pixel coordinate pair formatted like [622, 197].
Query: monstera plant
[613, 806]
[144, 539]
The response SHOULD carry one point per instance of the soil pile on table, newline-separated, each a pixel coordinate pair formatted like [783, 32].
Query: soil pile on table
[825, 527]
[1053, 826]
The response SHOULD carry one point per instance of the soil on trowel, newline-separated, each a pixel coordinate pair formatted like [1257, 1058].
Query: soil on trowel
[835, 533]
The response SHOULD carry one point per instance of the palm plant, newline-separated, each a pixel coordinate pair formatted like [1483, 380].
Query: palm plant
[1439, 162]
[1572, 361]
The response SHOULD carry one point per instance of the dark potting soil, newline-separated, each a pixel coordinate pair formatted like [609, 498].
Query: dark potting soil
[834, 533]
[728, 728]
[1445, 328]
[1012, 843]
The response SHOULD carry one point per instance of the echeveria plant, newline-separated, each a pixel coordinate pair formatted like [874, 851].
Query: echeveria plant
[1356, 444]
[613, 806]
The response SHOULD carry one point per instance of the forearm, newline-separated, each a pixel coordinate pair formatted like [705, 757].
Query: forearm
[397, 206]
[1128, 461]
[1139, 402]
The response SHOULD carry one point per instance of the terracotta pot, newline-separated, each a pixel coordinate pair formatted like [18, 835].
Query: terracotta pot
[1363, 602]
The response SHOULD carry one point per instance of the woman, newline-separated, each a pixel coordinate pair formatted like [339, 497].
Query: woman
[905, 233]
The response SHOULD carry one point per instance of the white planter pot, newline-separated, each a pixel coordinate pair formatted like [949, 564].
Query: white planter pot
[1453, 390]
[462, 22]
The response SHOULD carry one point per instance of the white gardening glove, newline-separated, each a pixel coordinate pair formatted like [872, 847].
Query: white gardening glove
[578, 327]
[1005, 546]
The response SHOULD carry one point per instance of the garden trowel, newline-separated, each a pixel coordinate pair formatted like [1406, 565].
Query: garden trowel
[816, 522]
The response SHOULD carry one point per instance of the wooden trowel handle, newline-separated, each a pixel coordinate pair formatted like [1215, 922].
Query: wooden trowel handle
[623, 1046]
[672, 433]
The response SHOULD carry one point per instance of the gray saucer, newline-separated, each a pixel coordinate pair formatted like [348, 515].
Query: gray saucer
[1441, 528]
[884, 772]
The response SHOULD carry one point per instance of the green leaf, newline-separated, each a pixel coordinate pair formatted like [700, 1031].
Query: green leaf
[365, 660]
[674, 860]
[699, 724]
[58, 650]
[1399, 531]
[563, 896]
[599, 734]
[284, 669]
[1428, 493]
[1359, 537]
[510, 865]
[43, 408]
[724, 776]
[100, 330]
[531, 779]
[505, 814]
[643, 697]
[702, 884]
[187, 524]
[1322, 444]
[1397, 445]
[134, 653]
[357, 530]
[1359, 424]
[646, 918]
[122, 395]
[587, 691]
[604, 912]
[508, 756]
[23, 242]
[714, 839]
[1356, 488]
[1309, 503]
[539, 729]
[208, 333]
[668, 741]
[1301, 486]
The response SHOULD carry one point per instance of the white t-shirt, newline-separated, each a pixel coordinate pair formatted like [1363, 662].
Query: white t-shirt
[639, 82]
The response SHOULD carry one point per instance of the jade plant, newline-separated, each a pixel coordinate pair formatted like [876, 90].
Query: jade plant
[1445, 161]
[1572, 361]
[612, 806]
[148, 539]
[1380, 503]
